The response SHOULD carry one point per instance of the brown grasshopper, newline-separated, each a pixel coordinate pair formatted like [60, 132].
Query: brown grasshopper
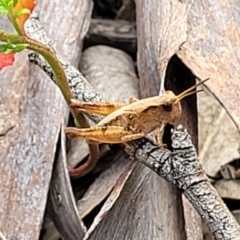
[126, 122]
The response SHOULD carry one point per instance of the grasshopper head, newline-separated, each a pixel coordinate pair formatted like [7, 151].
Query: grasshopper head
[170, 108]
[171, 105]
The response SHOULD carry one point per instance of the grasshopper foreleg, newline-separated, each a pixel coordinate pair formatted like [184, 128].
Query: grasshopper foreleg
[159, 135]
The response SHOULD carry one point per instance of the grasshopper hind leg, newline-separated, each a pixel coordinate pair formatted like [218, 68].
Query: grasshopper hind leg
[101, 108]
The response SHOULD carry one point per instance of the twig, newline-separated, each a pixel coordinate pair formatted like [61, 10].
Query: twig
[180, 167]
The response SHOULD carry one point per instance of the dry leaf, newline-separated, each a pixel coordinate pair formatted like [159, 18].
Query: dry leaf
[162, 28]
[30, 110]
[111, 72]
[111, 199]
[218, 135]
[228, 188]
[212, 49]
[103, 185]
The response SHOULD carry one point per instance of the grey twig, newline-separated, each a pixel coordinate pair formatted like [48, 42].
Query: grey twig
[180, 167]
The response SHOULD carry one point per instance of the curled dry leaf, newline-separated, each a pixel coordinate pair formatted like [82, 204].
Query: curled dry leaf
[205, 46]
[30, 111]
[218, 135]
[99, 190]
[236, 214]
[62, 205]
[162, 28]
[110, 71]
[119, 184]
[228, 189]
[212, 49]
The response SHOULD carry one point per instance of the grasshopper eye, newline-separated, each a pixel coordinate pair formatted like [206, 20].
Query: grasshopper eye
[167, 107]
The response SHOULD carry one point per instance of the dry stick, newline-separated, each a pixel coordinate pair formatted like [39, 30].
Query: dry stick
[35, 31]
[180, 167]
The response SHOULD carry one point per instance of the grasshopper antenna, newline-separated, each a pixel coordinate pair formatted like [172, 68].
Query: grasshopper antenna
[190, 91]
[188, 94]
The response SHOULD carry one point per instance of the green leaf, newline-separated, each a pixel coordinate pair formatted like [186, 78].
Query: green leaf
[21, 12]
[3, 48]
[20, 47]
[2, 4]
[7, 4]
[9, 47]
[10, 4]
[3, 10]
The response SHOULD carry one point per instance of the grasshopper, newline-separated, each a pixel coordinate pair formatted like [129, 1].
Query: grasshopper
[126, 122]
